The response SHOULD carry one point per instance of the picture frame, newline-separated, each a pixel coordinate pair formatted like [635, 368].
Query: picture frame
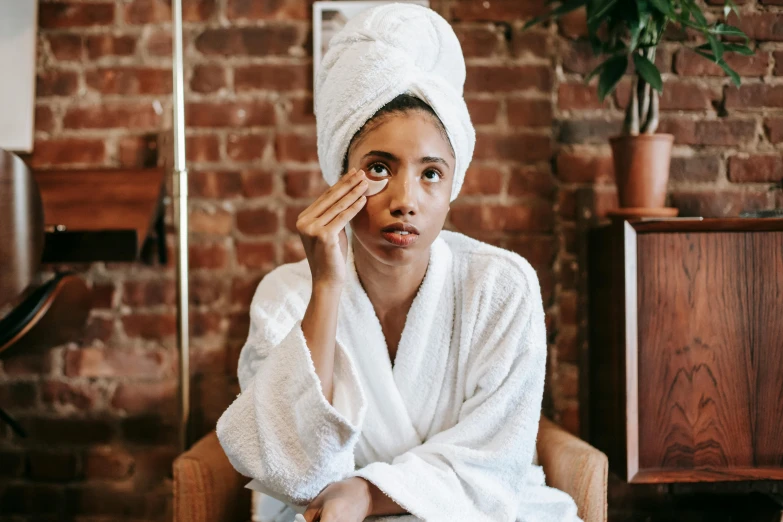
[330, 17]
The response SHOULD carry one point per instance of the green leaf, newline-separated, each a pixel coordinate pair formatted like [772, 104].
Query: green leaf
[716, 46]
[648, 71]
[728, 30]
[744, 50]
[601, 11]
[728, 7]
[735, 78]
[611, 74]
[663, 6]
[564, 8]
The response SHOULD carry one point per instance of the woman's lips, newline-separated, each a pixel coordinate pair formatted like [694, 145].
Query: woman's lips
[401, 240]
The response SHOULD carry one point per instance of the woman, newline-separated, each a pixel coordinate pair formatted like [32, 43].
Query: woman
[399, 369]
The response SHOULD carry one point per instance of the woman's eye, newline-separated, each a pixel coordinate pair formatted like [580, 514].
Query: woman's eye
[378, 170]
[432, 175]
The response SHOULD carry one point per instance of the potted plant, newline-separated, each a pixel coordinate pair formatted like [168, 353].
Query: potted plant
[628, 32]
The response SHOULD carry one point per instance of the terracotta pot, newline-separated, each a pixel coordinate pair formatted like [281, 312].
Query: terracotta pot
[641, 169]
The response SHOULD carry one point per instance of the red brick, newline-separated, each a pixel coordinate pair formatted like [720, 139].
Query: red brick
[293, 251]
[569, 418]
[482, 180]
[568, 344]
[119, 362]
[530, 42]
[57, 83]
[212, 184]
[102, 45]
[210, 221]
[513, 147]
[202, 148]
[256, 221]
[757, 95]
[123, 115]
[142, 12]
[116, 502]
[682, 96]
[155, 462]
[243, 289]
[539, 250]
[11, 463]
[709, 132]
[577, 96]
[296, 147]
[230, 114]
[67, 151]
[568, 380]
[66, 47]
[206, 255]
[141, 397]
[159, 43]
[756, 169]
[535, 216]
[583, 167]
[529, 113]
[55, 15]
[103, 295]
[688, 63]
[774, 128]
[478, 42]
[149, 292]
[271, 40]
[508, 78]
[206, 289]
[300, 111]
[27, 364]
[18, 395]
[273, 77]
[483, 112]
[107, 463]
[496, 10]
[130, 80]
[574, 24]
[588, 131]
[149, 326]
[44, 118]
[256, 183]
[208, 78]
[304, 183]
[256, 255]
[578, 58]
[81, 396]
[760, 26]
[695, 168]
[138, 151]
[714, 203]
[247, 147]
[269, 9]
[206, 323]
[69, 431]
[531, 181]
[98, 329]
[291, 215]
[778, 70]
[566, 203]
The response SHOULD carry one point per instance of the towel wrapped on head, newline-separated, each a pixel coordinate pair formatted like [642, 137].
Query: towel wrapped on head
[381, 53]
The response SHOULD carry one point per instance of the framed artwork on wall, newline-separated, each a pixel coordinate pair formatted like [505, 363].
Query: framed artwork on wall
[330, 17]
[18, 29]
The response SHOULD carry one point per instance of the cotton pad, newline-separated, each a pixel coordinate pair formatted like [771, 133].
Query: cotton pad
[375, 186]
[299, 518]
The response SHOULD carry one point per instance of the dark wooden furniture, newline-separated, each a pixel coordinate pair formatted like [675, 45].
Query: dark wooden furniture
[686, 349]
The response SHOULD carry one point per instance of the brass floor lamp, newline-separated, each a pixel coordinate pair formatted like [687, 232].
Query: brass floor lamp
[180, 207]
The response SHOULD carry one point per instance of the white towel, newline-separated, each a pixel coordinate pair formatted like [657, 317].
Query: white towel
[448, 432]
[381, 53]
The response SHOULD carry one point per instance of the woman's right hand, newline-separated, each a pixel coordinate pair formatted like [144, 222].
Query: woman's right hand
[322, 227]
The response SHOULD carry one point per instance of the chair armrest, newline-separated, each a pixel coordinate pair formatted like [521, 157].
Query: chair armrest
[572, 465]
[207, 488]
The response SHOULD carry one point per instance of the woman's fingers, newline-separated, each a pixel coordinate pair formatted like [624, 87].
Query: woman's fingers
[342, 204]
[312, 514]
[336, 192]
[342, 219]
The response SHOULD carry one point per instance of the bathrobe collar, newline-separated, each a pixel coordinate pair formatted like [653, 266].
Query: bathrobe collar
[400, 398]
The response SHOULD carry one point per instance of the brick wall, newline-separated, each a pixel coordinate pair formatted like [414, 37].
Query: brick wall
[101, 411]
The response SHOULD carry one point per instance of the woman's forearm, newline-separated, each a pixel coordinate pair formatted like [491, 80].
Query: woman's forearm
[381, 504]
[319, 326]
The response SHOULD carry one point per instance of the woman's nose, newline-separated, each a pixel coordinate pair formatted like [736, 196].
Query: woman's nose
[403, 191]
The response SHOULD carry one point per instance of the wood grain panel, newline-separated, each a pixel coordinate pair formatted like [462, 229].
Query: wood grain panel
[706, 350]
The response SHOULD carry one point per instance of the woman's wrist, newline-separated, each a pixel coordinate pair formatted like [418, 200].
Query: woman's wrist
[327, 289]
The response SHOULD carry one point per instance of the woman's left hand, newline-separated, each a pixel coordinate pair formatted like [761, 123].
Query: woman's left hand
[345, 501]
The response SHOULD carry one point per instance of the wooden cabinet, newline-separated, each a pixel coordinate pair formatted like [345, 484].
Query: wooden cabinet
[686, 349]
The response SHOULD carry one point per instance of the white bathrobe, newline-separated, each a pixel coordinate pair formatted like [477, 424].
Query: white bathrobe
[448, 432]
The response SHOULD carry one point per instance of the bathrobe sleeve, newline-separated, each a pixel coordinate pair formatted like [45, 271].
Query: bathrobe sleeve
[281, 430]
[477, 469]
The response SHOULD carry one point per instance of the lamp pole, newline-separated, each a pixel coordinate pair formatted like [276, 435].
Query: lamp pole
[180, 203]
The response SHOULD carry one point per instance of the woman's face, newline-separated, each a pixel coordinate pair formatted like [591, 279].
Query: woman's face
[410, 150]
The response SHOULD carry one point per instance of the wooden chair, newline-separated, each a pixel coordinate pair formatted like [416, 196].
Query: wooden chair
[208, 489]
